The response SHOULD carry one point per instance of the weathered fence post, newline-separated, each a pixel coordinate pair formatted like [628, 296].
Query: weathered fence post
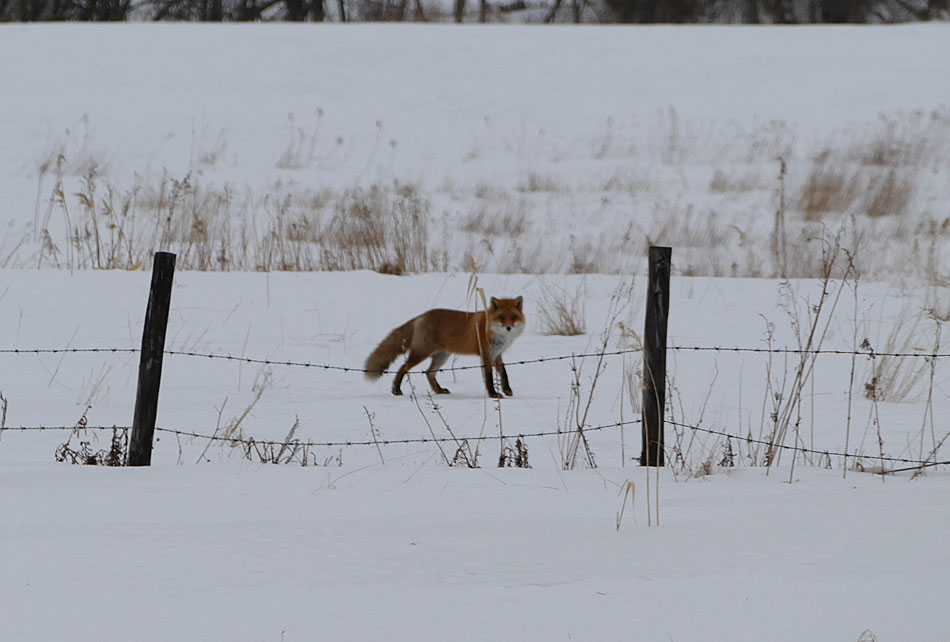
[654, 355]
[150, 360]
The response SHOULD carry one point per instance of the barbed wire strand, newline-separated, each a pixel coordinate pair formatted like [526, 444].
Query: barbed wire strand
[750, 440]
[63, 350]
[916, 463]
[583, 355]
[813, 351]
[332, 444]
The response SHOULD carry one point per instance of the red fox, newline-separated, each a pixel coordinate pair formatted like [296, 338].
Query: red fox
[438, 333]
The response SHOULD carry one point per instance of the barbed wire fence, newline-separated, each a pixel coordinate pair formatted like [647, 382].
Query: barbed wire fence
[908, 464]
[563, 357]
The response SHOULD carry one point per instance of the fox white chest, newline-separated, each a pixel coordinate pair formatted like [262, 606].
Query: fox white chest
[502, 338]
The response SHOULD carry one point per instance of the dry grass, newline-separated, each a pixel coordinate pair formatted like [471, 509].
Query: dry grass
[877, 174]
[507, 217]
[827, 189]
[916, 140]
[628, 181]
[537, 182]
[834, 187]
[726, 182]
[383, 227]
[488, 192]
[559, 311]
[886, 184]
[378, 229]
[890, 194]
[896, 379]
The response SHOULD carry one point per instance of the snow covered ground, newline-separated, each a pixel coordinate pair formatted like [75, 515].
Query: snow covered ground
[425, 553]
[363, 543]
[603, 139]
[613, 137]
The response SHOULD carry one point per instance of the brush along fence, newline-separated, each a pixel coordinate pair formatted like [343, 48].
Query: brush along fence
[911, 464]
[878, 462]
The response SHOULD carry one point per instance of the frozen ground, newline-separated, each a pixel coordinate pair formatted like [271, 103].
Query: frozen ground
[533, 150]
[352, 548]
[415, 552]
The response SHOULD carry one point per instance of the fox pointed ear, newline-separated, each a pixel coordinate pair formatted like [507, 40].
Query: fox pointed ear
[494, 303]
[518, 302]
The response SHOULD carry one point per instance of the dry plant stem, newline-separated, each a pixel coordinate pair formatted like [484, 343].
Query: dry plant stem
[288, 439]
[779, 245]
[809, 344]
[265, 376]
[876, 418]
[372, 430]
[630, 381]
[3, 414]
[929, 408]
[770, 395]
[623, 374]
[854, 357]
[217, 427]
[472, 293]
[628, 488]
[618, 303]
[811, 424]
[415, 400]
[462, 447]
[931, 455]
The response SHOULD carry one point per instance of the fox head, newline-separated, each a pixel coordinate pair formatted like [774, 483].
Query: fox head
[506, 316]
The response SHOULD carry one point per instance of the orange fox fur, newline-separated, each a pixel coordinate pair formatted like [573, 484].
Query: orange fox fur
[439, 333]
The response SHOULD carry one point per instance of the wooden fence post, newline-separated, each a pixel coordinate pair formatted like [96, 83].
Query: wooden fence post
[150, 360]
[654, 356]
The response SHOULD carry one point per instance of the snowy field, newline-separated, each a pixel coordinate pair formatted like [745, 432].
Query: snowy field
[243, 147]
[548, 160]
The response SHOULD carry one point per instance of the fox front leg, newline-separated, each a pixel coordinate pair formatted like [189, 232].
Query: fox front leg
[489, 380]
[503, 374]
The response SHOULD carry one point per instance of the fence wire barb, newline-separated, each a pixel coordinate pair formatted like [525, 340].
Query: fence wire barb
[333, 444]
[324, 366]
[64, 350]
[859, 353]
[916, 464]
[387, 442]
[750, 440]
[564, 357]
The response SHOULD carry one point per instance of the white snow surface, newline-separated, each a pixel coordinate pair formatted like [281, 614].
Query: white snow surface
[599, 139]
[392, 543]
[357, 549]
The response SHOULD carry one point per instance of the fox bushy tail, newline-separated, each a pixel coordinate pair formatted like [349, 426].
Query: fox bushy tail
[395, 343]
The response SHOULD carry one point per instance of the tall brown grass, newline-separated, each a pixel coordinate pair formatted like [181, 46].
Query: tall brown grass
[885, 184]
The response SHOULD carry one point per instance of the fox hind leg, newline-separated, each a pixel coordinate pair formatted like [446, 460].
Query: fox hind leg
[438, 360]
[412, 361]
